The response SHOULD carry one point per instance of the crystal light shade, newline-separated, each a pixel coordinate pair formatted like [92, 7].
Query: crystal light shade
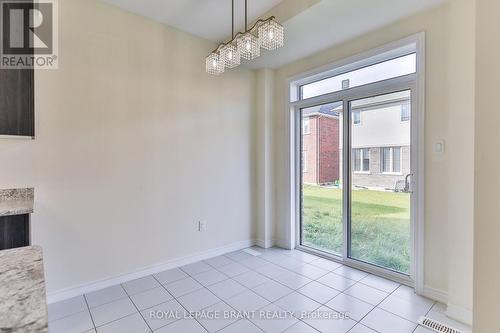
[230, 56]
[214, 64]
[271, 35]
[264, 33]
[248, 46]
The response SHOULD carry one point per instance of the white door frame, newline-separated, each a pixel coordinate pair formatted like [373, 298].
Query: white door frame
[415, 83]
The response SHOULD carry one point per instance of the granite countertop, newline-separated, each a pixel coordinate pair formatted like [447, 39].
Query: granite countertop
[16, 201]
[23, 306]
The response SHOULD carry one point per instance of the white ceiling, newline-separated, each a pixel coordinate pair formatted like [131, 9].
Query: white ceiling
[327, 23]
[331, 22]
[209, 19]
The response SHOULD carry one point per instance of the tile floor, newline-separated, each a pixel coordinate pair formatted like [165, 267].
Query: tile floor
[276, 283]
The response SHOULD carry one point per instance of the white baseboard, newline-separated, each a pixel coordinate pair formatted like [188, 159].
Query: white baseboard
[459, 313]
[85, 288]
[282, 243]
[453, 311]
[265, 243]
[435, 294]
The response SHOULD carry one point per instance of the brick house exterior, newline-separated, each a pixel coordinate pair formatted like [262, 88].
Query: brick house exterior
[320, 146]
[375, 178]
[382, 131]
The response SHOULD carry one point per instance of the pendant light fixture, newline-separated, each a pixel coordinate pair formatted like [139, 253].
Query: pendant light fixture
[214, 65]
[268, 34]
[229, 52]
[248, 43]
[271, 35]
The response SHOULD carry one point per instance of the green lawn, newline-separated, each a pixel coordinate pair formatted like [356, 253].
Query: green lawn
[380, 224]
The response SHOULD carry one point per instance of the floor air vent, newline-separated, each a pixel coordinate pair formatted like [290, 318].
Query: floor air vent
[437, 326]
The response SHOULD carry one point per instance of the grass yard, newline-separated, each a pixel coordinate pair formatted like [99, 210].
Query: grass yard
[380, 224]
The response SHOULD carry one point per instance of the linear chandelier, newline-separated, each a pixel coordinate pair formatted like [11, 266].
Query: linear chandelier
[265, 33]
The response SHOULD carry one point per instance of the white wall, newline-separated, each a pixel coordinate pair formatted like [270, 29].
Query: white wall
[264, 169]
[135, 144]
[449, 116]
[487, 191]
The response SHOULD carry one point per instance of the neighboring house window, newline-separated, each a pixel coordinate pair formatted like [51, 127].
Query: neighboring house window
[306, 126]
[304, 161]
[356, 117]
[391, 160]
[361, 160]
[405, 112]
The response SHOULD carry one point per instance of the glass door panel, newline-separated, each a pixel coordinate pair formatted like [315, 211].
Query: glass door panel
[379, 218]
[321, 211]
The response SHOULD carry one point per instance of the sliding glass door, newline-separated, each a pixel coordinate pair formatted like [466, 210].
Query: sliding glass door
[362, 216]
[358, 152]
[321, 177]
[379, 224]
[356, 168]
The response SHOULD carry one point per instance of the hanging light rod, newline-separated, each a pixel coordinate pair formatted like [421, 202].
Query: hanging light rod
[252, 29]
[246, 45]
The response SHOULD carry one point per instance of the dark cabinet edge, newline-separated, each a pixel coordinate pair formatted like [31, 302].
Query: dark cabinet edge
[26, 110]
[15, 231]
